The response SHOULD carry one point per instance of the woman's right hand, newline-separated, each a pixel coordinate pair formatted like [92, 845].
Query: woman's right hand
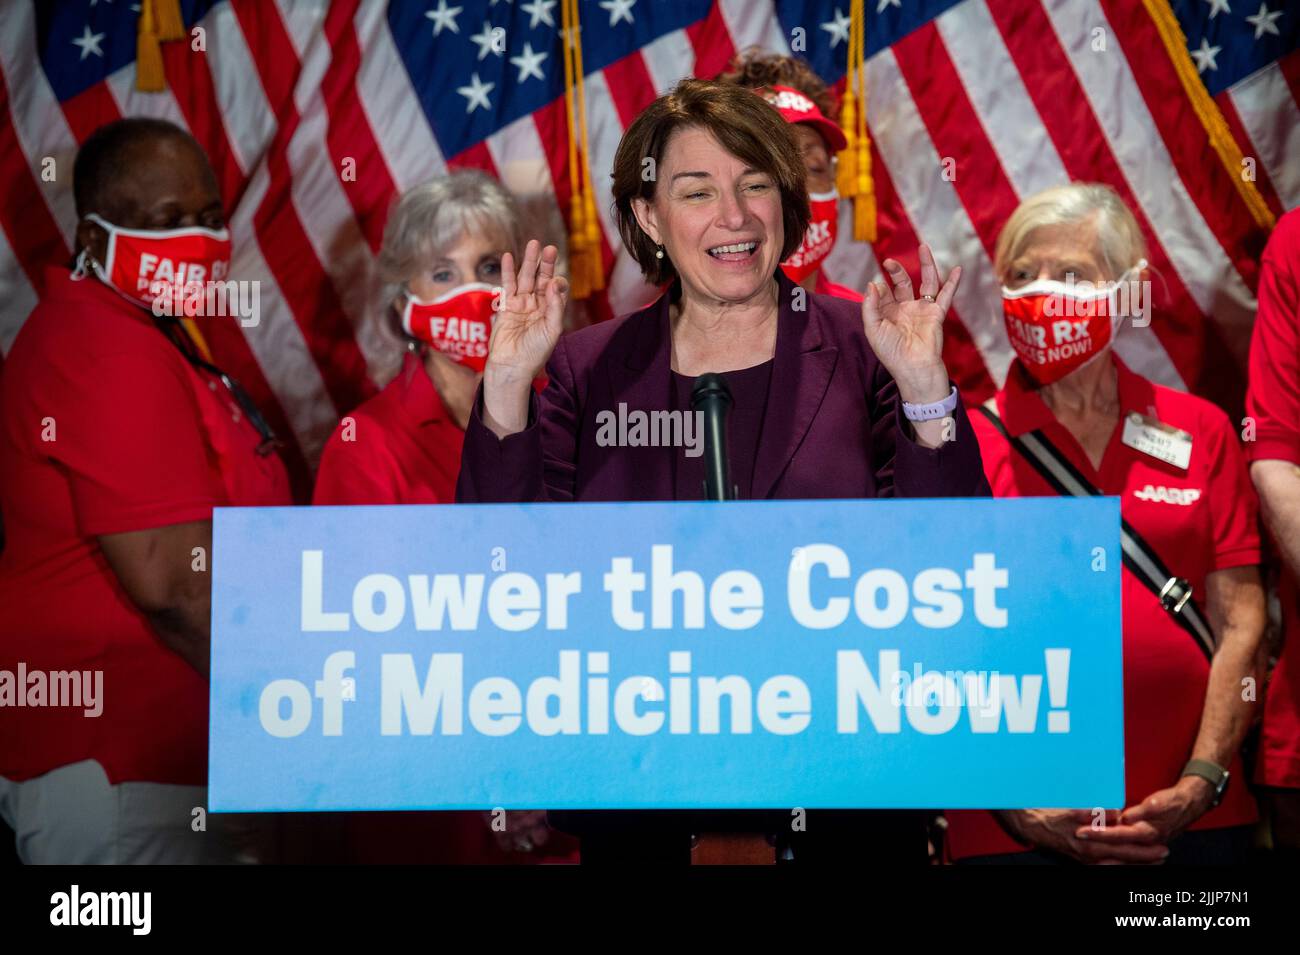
[524, 332]
[1058, 830]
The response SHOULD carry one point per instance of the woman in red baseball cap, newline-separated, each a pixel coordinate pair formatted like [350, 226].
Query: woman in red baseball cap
[800, 96]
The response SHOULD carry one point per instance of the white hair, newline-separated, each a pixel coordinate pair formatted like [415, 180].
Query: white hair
[425, 223]
[1119, 239]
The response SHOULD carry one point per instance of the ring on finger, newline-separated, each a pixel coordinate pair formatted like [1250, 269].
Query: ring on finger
[928, 298]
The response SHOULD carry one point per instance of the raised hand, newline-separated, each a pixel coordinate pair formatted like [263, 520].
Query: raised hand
[524, 332]
[906, 332]
[528, 323]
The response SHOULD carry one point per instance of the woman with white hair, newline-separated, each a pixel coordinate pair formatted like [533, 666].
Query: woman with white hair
[441, 264]
[1074, 419]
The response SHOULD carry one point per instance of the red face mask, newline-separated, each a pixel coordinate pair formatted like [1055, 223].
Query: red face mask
[818, 240]
[458, 324]
[144, 264]
[1057, 327]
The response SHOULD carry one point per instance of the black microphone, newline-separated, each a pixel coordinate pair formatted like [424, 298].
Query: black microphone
[712, 397]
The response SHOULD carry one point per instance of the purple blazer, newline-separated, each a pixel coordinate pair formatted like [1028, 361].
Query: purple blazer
[833, 428]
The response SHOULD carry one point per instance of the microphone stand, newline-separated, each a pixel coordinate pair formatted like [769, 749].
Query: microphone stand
[712, 397]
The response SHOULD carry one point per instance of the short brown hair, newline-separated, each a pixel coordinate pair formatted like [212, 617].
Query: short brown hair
[746, 125]
[755, 67]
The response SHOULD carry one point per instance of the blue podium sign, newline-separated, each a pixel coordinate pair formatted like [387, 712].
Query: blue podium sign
[767, 654]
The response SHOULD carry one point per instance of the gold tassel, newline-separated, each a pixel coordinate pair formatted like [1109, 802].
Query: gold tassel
[577, 247]
[1216, 127]
[864, 216]
[596, 277]
[585, 229]
[863, 189]
[864, 198]
[579, 267]
[171, 26]
[149, 76]
[846, 163]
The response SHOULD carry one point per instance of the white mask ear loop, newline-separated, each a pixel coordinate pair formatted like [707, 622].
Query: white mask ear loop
[83, 267]
[1122, 294]
[86, 263]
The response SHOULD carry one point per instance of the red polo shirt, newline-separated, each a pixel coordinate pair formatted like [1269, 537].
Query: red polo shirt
[1273, 402]
[106, 428]
[1214, 528]
[400, 447]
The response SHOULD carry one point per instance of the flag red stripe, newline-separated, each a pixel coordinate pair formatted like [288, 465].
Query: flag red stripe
[33, 234]
[271, 51]
[190, 81]
[477, 156]
[1209, 183]
[712, 43]
[90, 109]
[1193, 344]
[955, 128]
[1263, 182]
[897, 239]
[349, 134]
[304, 285]
[553, 133]
[630, 87]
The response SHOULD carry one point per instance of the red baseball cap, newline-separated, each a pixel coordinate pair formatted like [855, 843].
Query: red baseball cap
[795, 107]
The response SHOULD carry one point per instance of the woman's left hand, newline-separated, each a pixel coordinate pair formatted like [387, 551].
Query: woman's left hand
[906, 332]
[1160, 817]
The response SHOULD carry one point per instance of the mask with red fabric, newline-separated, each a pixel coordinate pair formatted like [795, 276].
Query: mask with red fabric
[796, 107]
[458, 323]
[818, 240]
[146, 265]
[1058, 327]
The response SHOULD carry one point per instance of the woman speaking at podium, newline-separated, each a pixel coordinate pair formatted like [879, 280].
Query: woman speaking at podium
[831, 399]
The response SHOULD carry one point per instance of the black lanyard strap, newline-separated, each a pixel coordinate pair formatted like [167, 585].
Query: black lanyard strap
[1174, 593]
[171, 328]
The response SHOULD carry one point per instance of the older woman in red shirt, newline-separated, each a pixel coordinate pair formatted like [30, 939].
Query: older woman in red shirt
[441, 262]
[1072, 414]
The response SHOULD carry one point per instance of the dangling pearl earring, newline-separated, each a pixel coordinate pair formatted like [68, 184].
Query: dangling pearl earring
[660, 253]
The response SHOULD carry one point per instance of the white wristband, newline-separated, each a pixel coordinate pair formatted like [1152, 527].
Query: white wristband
[935, 409]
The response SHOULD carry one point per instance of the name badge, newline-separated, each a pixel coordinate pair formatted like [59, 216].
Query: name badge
[1162, 441]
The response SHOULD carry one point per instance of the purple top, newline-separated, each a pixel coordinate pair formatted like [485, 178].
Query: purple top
[748, 388]
[833, 426]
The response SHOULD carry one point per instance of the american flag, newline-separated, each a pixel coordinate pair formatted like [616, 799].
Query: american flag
[316, 114]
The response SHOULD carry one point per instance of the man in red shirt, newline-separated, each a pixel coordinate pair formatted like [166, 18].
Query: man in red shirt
[1273, 409]
[117, 438]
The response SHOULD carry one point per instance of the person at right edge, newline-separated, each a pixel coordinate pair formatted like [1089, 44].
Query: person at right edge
[831, 399]
[1273, 405]
[1073, 419]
